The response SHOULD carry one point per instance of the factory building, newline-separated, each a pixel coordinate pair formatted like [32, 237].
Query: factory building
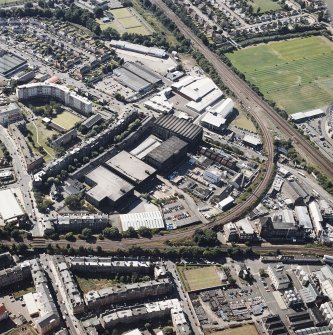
[281, 226]
[107, 189]
[76, 222]
[168, 125]
[122, 293]
[58, 92]
[130, 168]
[303, 218]
[150, 51]
[217, 116]
[278, 276]
[9, 114]
[316, 217]
[304, 116]
[213, 175]
[167, 155]
[152, 220]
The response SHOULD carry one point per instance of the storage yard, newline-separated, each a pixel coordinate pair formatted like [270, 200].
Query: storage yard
[301, 81]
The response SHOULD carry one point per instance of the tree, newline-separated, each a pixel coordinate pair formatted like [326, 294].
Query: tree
[168, 330]
[98, 11]
[130, 233]
[21, 248]
[70, 236]
[86, 233]
[111, 233]
[74, 201]
[145, 232]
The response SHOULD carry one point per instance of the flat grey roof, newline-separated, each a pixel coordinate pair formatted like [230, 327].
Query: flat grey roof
[142, 72]
[129, 79]
[167, 149]
[92, 120]
[179, 126]
[128, 165]
[9, 62]
[108, 185]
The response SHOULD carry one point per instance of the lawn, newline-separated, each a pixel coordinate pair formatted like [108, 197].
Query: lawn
[241, 121]
[39, 136]
[295, 73]
[244, 330]
[129, 20]
[94, 284]
[67, 120]
[264, 6]
[5, 2]
[196, 277]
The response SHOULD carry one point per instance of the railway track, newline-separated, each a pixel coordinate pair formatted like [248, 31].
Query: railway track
[259, 109]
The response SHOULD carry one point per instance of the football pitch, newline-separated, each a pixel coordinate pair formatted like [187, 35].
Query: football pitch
[196, 277]
[264, 6]
[296, 74]
[67, 120]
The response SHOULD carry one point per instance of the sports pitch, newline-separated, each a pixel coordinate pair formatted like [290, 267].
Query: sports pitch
[296, 74]
[264, 6]
[128, 20]
[196, 278]
[67, 120]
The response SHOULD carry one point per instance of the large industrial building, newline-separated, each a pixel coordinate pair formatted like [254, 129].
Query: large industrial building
[152, 220]
[11, 64]
[61, 93]
[107, 188]
[168, 154]
[217, 116]
[137, 77]
[10, 210]
[201, 91]
[304, 116]
[169, 125]
[150, 51]
[130, 168]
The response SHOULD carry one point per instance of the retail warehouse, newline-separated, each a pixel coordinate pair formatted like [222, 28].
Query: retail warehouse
[152, 220]
[10, 210]
[10, 64]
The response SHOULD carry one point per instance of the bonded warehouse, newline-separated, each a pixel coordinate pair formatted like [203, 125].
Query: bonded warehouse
[130, 168]
[107, 188]
[168, 125]
[168, 154]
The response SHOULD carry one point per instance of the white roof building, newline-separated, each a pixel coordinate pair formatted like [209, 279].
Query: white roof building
[9, 206]
[225, 202]
[303, 217]
[302, 116]
[317, 218]
[252, 140]
[152, 220]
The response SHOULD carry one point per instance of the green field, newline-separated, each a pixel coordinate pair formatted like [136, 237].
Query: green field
[296, 74]
[67, 120]
[196, 277]
[94, 284]
[243, 330]
[128, 20]
[264, 6]
[40, 136]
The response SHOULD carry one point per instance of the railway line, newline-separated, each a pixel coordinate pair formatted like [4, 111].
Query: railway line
[260, 110]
